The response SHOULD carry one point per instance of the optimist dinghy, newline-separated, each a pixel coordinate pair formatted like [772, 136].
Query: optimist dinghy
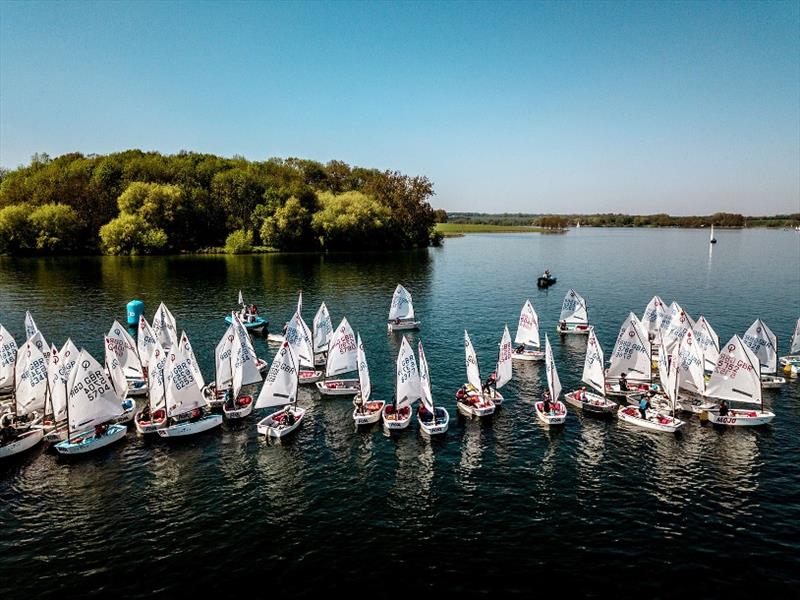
[401, 312]
[470, 399]
[557, 413]
[790, 362]
[365, 411]
[153, 415]
[574, 317]
[433, 420]
[342, 358]
[323, 332]
[120, 342]
[528, 335]
[280, 389]
[30, 401]
[239, 401]
[760, 339]
[630, 371]
[299, 337]
[593, 375]
[61, 364]
[397, 415]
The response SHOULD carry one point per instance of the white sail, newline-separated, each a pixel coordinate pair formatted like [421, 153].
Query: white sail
[691, 366]
[553, 382]
[342, 355]
[156, 379]
[409, 389]
[654, 315]
[528, 326]
[280, 385]
[760, 339]
[182, 388]
[363, 371]
[245, 367]
[223, 360]
[30, 326]
[323, 329]
[37, 339]
[680, 322]
[300, 303]
[573, 309]
[92, 399]
[594, 373]
[189, 352]
[668, 369]
[239, 327]
[115, 372]
[711, 237]
[31, 379]
[145, 341]
[708, 340]
[473, 371]
[164, 327]
[736, 376]
[402, 307]
[631, 354]
[795, 349]
[61, 364]
[119, 341]
[8, 358]
[425, 379]
[241, 298]
[504, 372]
[299, 339]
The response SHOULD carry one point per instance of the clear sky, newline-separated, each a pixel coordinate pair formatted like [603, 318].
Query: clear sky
[686, 108]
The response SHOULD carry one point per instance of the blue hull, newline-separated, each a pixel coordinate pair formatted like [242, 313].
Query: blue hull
[259, 323]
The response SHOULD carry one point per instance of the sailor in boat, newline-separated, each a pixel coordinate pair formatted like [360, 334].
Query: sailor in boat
[546, 406]
[145, 416]
[229, 399]
[723, 409]
[490, 387]
[461, 395]
[100, 430]
[7, 433]
[644, 404]
[359, 402]
[288, 420]
[623, 383]
[580, 395]
[563, 325]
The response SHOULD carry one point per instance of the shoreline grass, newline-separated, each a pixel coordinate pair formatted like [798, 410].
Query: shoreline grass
[459, 229]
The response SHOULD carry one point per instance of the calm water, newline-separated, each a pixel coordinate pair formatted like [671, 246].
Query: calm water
[498, 505]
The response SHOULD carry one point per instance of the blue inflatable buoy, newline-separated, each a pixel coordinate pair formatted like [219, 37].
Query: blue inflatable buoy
[135, 310]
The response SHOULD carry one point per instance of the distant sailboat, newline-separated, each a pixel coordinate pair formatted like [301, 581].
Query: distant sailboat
[712, 239]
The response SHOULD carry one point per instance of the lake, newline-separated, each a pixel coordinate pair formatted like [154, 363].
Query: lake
[502, 505]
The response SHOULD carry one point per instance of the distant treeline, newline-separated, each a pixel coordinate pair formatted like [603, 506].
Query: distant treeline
[137, 202]
[621, 220]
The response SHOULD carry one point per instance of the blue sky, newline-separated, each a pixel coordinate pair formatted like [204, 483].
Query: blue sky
[686, 108]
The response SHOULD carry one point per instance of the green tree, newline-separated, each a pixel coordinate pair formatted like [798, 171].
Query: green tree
[131, 234]
[57, 228]
[289, 228]
[239, 242]
[351, 220]
[16, 231]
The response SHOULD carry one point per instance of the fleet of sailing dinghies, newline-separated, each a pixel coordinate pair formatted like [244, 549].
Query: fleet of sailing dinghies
[249, 317]
[280, 389]
[736, 378]
[574, 317]
[408, 389]
[594, 375]
[433, 419]
[528, 335]
[790, 362]
[365, 410]
[342, 358]
[401, 312]
[760, 339]
[550, 410]
[67, 398]
[471, 401]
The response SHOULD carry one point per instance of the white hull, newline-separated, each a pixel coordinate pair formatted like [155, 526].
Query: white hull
[556, 416]
[403, 325]
[594, 404]
[214, 397]
[789, 359]
[497, 398]
[476, 406]
[306, 377]
[398, 421]
[137, 386]
[528, 355]
[372, 413]
[653, 422]
[24, 442]
[742, 418]
[87, 442]
[575, 329]
[129, 411]
[150, 426]
[185, 428]
[771, 382]
[634, 389]
[339, 387]
[242, 408]
[276, 338]
[440, 425]
[272, 427]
